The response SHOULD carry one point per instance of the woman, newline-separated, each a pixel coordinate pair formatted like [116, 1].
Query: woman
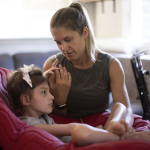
[92, 74]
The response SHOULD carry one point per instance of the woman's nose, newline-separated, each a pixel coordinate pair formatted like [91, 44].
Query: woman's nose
[64, 46]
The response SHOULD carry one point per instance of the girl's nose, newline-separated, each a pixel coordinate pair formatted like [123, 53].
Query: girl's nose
[51, 97]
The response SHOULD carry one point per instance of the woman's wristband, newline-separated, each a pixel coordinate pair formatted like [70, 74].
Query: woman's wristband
[61, 106]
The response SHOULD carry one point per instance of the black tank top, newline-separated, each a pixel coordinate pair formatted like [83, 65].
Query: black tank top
[90, 88]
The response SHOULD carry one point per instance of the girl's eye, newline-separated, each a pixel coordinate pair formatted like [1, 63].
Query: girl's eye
[44, 92]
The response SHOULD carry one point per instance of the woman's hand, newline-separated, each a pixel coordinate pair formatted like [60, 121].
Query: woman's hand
[60, 83]
[129, 134]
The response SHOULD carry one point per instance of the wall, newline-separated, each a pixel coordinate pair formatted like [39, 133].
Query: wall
[120, 31]
[90, 7]
[109, 24]
[14, 44]
[112, 30]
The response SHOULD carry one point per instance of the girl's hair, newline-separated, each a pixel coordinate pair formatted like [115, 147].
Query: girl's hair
[75, 17]
[16, 86]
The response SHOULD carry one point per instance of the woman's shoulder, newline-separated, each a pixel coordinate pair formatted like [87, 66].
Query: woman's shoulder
[58, 56]
[104, 55]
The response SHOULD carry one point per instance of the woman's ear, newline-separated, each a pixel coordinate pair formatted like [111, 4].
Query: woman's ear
[24, 99]
[85, 32]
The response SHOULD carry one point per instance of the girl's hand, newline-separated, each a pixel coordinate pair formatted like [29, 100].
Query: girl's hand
[51, 71]
[60, 83]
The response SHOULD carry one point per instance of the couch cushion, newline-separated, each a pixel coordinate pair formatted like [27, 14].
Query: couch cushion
[6, 61]
[37, 59]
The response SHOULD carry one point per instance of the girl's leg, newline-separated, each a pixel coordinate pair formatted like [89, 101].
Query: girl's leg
[84, 135]
[116, 120]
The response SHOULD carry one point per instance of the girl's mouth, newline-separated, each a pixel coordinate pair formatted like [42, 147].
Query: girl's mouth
[51, 104]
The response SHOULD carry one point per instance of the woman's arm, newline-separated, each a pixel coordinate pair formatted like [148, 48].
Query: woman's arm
[120, 96]
[60, 83]
[118, 89]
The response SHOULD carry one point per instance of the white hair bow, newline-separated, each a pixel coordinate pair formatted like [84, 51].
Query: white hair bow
[25, 72]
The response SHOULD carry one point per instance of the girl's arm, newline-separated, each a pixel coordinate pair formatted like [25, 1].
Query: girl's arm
[57, 129]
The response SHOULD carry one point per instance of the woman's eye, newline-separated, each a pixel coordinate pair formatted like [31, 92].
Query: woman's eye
[58, 43]
[68, 40]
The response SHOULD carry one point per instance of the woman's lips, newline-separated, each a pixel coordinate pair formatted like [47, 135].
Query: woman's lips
[68, 54]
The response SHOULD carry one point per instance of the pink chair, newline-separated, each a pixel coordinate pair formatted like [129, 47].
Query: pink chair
[17, 135]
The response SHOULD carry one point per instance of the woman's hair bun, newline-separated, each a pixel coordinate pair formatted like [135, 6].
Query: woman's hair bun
[75, 5]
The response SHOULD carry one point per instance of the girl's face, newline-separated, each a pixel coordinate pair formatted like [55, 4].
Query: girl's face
[42, 100]
[71, 44]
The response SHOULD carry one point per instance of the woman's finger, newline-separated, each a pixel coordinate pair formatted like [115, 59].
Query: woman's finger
[52, 79]
[122, 137]
[61, 72]
[132, 132]
[126, 126]
[55, 63]
[57, 75]
[69, 79]
[65, 74]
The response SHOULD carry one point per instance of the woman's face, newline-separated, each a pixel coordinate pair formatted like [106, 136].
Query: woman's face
[70, 42]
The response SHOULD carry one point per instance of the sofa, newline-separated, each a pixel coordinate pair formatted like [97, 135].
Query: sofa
[17, 135]
[17, 60]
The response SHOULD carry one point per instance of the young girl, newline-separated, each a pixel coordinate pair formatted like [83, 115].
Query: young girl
[29, 91]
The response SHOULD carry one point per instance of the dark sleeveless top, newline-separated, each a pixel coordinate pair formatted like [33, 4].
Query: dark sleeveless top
[90, 88]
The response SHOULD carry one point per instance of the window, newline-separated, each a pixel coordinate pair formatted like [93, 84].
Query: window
[146, 18]
[126, 29]
[140, 23]
[27, 18]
